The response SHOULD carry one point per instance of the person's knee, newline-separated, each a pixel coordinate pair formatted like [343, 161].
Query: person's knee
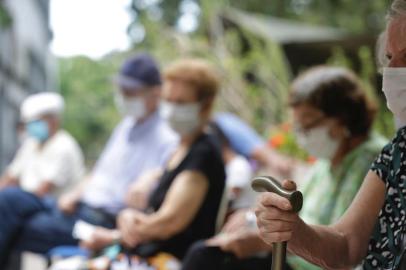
[201, 256]
[16, 200]
[11, 193]
[44, 232]
[198, 249]
[12, 197]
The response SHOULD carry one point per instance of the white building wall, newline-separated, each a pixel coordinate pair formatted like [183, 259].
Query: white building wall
[25, 65]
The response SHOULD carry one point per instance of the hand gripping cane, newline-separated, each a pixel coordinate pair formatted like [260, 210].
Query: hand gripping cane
[269, 184]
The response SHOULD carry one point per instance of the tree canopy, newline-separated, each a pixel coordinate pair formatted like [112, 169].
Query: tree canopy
[255, 71]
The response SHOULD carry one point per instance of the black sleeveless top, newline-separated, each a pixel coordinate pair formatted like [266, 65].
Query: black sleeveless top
[204, 156]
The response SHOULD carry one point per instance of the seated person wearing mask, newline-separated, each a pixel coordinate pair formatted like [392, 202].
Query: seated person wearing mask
[239, 173]
[48, 162]
[245, 141]
[373, 229]
[184, 206]
[139, 143]
[333, 121]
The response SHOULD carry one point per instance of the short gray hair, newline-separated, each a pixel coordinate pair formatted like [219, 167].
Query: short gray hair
[396, 10]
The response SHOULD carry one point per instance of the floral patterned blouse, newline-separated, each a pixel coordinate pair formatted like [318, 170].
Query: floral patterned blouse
[387, 244]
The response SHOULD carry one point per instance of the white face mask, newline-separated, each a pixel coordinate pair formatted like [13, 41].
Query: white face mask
[183, 118]
[133, 107]
[318, 142]
[394, 87]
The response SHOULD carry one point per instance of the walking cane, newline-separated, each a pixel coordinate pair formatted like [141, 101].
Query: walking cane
[270, 184]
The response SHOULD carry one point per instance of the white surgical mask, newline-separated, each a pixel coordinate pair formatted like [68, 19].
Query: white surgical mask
[394, 87]
[133, 107]
[183, 118]
[318, 142]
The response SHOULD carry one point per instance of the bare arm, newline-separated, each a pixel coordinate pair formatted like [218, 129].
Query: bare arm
[139, 191]
[181, 204]
[340, 245]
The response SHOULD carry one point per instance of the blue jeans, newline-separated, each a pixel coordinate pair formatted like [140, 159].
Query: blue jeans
[30, 223]
[15, 207]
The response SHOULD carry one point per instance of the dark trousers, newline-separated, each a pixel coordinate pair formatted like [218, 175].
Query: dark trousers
[30, 223]
[202, 257]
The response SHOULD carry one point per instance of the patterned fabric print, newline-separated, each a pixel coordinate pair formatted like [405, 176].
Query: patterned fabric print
[387, 242]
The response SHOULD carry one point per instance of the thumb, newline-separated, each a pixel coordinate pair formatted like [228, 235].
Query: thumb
[289, 185]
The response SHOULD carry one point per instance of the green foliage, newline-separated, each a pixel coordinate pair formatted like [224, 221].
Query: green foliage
[254, 82]
[5, 18]
[254, 72]
[354, 16]
[283, 139]
[383, 123]
[260, 76]
[90, 113]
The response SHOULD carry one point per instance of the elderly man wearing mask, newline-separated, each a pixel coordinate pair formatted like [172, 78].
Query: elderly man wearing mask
[139, 144]
[372, 230]
[48, 162]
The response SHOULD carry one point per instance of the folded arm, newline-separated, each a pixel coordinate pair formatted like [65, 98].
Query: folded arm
[180, 206]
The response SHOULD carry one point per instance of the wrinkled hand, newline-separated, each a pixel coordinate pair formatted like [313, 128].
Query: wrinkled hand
[129, 222]
[101, 238]
[275, 220]
[67, 203]
[243, 244]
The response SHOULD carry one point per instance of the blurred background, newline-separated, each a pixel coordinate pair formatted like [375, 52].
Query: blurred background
[76, 46]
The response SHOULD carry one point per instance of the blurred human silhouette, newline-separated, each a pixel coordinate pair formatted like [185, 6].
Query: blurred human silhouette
[140, 143]
[186, 205]
[49, 159]
[239, 173]
[245, 141]
[332, 119]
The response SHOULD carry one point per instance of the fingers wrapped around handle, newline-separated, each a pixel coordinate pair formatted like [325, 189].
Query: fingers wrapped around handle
[270, 184]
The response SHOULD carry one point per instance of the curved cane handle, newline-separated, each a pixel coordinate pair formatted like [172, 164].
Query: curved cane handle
[270, 184]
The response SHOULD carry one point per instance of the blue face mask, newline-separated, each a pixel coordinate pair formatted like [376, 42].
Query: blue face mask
[38, 130]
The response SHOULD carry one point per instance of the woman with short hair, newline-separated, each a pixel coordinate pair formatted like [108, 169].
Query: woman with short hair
[332, 120]
[185, 205]
[373, 228]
